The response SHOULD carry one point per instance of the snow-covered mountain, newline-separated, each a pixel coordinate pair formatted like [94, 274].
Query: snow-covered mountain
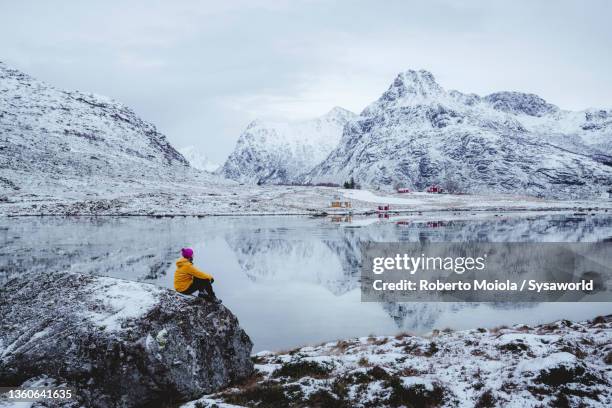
[278, 152]
[75, 141]
[197, 159]
[417, 134]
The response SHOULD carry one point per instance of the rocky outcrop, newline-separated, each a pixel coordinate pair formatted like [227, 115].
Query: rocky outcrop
[118, 343]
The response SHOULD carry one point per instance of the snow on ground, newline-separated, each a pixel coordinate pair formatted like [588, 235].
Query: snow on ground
[427, 201]
[210, 198]
[557, 364]
[120, 300]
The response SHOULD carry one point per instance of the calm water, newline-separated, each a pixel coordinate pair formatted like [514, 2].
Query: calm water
[292, 280]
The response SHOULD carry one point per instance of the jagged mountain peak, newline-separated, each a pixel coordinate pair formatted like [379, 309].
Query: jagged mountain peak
[409, 88]
[413, 84]
[281, 151]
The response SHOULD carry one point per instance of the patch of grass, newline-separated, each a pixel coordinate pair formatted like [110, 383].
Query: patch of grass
[400, 336]
[378, 342]
[249, 381]
[497, 329]
[486, 400]
[573, 349]
[299, 369]
[514, 347]
[414, 396]
[432, 349]
[563, 375]
[258, 359]
[342, 346]
[408, 372]
[363, 362]
[559, 375]
[608, 358]
[377, 373]
[264, 395]
[340, 387]
[561, 402]
[325, 399]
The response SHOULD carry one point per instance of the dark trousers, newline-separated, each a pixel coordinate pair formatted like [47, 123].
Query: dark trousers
[201, 286]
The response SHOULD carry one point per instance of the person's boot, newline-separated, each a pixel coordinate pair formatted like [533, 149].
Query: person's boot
[203, 296]
[206, 297]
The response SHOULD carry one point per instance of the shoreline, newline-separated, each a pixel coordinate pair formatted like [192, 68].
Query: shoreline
[580, 212]
[228, 201]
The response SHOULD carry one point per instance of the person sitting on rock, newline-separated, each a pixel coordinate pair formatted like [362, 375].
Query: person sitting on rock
[189, 279]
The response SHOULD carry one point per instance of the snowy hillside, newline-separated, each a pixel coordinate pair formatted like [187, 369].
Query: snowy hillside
[278, 152]
[417, 134]
[197, 159]
[53, 140]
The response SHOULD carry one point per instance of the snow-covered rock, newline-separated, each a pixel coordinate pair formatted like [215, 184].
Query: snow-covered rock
[118, 343]
[417, 134]
[51, 140]
[562, 364]
[197, 159]
[279, 152]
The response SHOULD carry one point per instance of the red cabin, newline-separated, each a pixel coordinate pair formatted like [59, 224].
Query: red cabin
[435, 189]
[403, 190]
[383, 207]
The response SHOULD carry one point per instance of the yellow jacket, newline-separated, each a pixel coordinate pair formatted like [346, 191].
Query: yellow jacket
[185, 272]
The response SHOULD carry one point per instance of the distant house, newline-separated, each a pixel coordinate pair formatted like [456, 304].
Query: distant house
[434, 188]
[383, 207]
[341, 204]
[402, 190]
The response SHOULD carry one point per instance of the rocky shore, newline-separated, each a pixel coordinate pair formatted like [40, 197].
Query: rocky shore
[561, 364]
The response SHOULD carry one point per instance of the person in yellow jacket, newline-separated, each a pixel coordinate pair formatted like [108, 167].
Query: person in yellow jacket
[189, 279]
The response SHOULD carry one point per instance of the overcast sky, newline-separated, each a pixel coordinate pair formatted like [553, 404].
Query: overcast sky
[201, 71]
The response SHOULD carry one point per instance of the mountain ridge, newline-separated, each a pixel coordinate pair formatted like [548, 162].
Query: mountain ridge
[72, 140]
[417, 133]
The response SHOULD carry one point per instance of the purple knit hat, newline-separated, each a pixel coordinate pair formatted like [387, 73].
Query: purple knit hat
[187, 252]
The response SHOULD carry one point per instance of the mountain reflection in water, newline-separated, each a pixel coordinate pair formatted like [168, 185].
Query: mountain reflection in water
[293, 280]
